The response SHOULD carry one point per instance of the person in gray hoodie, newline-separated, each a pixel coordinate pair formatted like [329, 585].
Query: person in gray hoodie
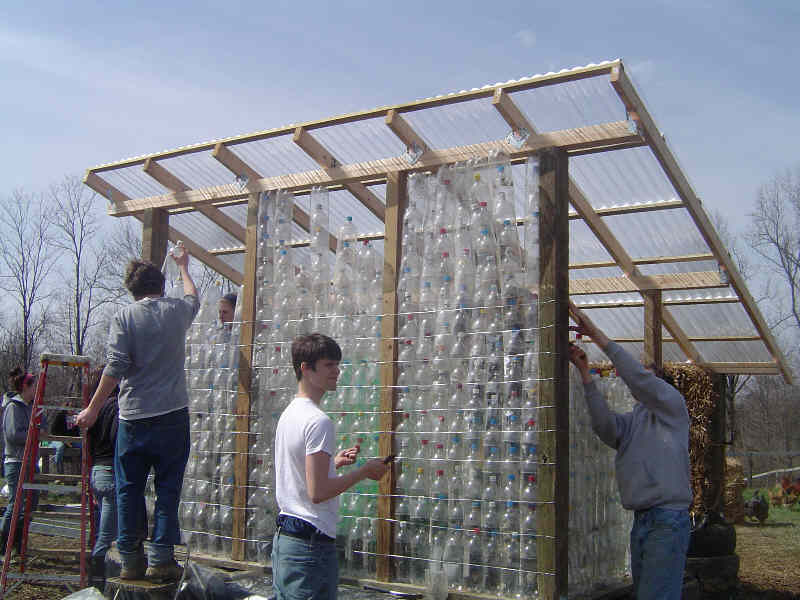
[652, 463]
[16, 418]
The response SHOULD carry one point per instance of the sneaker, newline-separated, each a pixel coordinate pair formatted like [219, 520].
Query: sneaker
[164, 573]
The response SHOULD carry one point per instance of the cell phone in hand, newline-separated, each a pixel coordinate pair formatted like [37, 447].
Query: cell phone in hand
[389, 459]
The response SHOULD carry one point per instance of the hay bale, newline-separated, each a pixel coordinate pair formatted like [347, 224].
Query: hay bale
[734, 484]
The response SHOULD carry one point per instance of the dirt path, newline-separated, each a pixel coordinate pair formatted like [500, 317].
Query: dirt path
[770, 557]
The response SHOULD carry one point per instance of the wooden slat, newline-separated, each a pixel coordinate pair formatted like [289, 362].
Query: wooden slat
[695, 338]
[155, 232]
[638, 303]
[104, 188]
[240, 168]
[511, 112]
[240, 469]
[401, 128]
[653, 351]
[672, 169]
[633, 208]
[649, 260]
[743, 368]
[669, 281]
[605, 133]
[170, 181]
[325, 159]
[487, 92]
[395, 207]
[553, 489]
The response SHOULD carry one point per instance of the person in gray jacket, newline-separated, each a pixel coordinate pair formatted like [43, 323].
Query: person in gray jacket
[652, 463]
[16, 419]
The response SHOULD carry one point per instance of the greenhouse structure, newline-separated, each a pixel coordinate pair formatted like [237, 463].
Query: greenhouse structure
[439, 242]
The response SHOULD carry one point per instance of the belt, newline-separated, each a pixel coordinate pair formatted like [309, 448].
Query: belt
[302, 530]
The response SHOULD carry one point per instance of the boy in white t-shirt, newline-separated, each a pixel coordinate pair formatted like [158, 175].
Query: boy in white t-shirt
[304, 562]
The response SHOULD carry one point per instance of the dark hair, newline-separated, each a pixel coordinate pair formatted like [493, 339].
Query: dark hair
[18, 378]
[143, 278]
[231, 298]
[311, 348]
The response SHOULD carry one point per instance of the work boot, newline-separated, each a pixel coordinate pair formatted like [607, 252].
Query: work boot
[97, 572]
[133, 565]
[164, 573]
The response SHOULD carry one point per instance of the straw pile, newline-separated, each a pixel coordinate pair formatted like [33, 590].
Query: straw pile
[734, 484]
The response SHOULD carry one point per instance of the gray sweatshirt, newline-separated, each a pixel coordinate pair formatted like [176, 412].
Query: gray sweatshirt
[652, 441]
[146, 352]
[16, 418]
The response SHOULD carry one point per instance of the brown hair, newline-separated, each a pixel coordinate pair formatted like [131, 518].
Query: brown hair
[311, 348]
[143, 278]
[18, 378]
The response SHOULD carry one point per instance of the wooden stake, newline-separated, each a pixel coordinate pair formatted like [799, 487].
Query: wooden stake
[155, 233]
[653, 349]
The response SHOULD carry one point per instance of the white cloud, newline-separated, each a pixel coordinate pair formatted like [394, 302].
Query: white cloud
[526, 37]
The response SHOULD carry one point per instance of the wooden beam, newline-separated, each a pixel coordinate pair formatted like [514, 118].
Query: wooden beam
[241, 169]
[395, 207]
[243, 446]
[553, 488]
[605, 133]
[155, 226]
[662, 152]
[650, 260]
[669, 281]
[170, 181]
[674, 302]
[632, 208]
[653, 353]
[403, 130]
[695, 338]
[511, 113]
[743, 368]
[454, 98]
[105, 189]
[325, 159]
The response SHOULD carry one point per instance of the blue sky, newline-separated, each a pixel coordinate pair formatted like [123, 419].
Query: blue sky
[89, 82]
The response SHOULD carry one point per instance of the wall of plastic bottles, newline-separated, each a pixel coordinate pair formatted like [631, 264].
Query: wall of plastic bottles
[599, 554]
[466, 406]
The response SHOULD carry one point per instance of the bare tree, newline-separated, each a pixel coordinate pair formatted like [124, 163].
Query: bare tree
[27, 257]
[775, 235]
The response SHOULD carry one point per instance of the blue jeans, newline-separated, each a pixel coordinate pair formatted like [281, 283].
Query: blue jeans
[105, 493]
[304, 570]
[160, 443]
[659, 542]
[12, 470]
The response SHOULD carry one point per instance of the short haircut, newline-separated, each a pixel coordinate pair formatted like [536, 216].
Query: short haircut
[143, 278]
[311, 348]
[231, 299]
[18, 378]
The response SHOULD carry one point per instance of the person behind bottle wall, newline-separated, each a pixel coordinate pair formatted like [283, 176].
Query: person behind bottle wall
[304, 558]
[146, 353]
[652, 463]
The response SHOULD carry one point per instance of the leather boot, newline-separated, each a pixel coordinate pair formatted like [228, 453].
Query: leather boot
[97, 572]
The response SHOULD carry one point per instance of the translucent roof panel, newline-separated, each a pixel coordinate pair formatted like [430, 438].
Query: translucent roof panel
[134, 183]
[275, 156]
[745, 352]
[678, 267]
[596, 272]
[198, 170]
[235, 261]
[570, 105]
[713, 320]
[197, 226]
[623, 322]
[460, 124]
[360, 141]
[584, 245]
[659, 233]
[237, 212]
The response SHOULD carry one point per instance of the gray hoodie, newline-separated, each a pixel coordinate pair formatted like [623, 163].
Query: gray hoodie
[16, 418]
[652, 441]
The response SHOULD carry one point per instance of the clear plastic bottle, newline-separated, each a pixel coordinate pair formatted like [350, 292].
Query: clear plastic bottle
[492, 558]
[510, 557]
[403, 552]
[474, 569]
[421, 551]
[453, 561]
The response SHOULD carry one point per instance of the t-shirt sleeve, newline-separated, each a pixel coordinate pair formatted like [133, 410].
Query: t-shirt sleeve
[189, 305]
[119, 358]
[320, 436]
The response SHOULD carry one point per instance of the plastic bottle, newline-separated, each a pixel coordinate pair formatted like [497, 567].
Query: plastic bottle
[486, 258]
[421, 552]
[490, 520]
[453, 561]
[474, 569]
[473, 518]
[491, 558]
[510, 557]
[529, 576]
[355, 548]
[403, 551]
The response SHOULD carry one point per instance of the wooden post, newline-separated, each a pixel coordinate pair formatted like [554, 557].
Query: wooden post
[715, 459]
[553, 517]
[248, 298]
[155, 235]
[653, 350]
[395, 207]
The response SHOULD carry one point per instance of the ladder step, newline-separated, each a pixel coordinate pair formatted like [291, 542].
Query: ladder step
[41, 477]
[56, 552]
[59, 438]
[52, 487]
[56, 530]
[43, 577]
[46, 514]
[65, 360]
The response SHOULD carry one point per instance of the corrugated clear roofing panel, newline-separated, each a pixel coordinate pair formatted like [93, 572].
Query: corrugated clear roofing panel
[344, 204]
[671, 352]
[360, 141]
[587, 300]
[678, 267]
[754, 351]
[238, 212]
[275, 156]
[459, 124]
[621, 322]
[203, 231]
[234, 260]
[593, 273]
[713, 320]
[570, 104]
[198, 170]
[584, 245]
[705, 294]
[660, 233]
[134, 182]
[627, 177]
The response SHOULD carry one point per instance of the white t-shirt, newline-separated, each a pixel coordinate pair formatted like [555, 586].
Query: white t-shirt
[304, 429]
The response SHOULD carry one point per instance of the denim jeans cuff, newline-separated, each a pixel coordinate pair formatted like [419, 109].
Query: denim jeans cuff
[130, 559]
[161, 553]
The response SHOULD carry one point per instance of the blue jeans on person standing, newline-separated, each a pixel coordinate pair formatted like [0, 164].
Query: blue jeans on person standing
[304, 569]
[12, 470]
[160, 443]
[105, 493]
[659, 542]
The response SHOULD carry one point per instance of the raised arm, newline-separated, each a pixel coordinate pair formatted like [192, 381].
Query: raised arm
[189, 289]
[605, 422]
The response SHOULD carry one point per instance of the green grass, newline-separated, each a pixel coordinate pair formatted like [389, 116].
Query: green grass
[786, 514]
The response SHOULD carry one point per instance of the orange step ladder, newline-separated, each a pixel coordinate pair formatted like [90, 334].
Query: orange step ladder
[30, 480]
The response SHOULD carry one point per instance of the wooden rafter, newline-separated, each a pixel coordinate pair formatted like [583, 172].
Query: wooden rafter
[649, 260]
[697, 338]
[104, 188]
[241, 169]
[170, 181]
[511, 112]
[325, 159]
[695, 280]
[640, 303]
[370, 170]
[633, 208]
[405, 132]
[635, 106]
[743, 368]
